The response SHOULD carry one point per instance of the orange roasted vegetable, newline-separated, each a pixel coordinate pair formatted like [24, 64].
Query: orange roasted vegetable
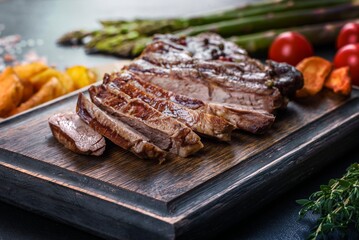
[26, 71]
[28, 88]
[11, 91]
[50, 90]
[339, 81]
[42, 78]
[6, 73]
[315, 70]
[81, 76]
[28, 85]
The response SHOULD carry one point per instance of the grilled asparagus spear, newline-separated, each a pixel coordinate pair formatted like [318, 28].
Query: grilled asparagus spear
[280, 20]
[128, 39]
[148, 27]
[317, 34]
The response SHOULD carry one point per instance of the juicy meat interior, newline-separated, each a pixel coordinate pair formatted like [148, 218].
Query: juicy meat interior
[211, 69]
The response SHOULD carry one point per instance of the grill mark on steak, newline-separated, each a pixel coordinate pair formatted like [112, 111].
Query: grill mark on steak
[76, 135]
[220, 90]
[166, 132]
[244, 118]
[211, 69]
[200, 122]
[118, 132]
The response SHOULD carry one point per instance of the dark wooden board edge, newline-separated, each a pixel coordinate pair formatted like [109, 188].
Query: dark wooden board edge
[296, 164]
[95, 214]
[345, 116]
[239, 204]
[88, 185]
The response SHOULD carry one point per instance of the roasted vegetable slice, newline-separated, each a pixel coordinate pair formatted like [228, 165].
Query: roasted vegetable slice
[28, 85]
[315, 70]
[50, 90]
[11, 91]
[42, 78]
[6, 73]
[26, 71]
[339, 81]
[28, 89]
[81, 76]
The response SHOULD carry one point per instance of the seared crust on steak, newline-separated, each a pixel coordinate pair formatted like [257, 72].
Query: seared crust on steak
[164, 131]
[76, 135]
[242, 117]
[201, 122]
[118, 132]
[214, 70]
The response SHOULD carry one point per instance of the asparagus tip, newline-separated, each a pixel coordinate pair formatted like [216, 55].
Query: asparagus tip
[73, 38]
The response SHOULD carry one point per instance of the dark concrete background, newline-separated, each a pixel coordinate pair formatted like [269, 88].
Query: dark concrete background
[48, 19]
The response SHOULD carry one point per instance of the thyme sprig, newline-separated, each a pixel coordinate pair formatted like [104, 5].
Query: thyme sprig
[336, 203]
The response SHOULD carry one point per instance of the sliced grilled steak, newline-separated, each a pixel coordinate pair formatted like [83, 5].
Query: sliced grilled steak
[193, 83]
[211, 69]
[200, 122]
[234, 60]
[76, 135]
[118, 132]
[164, 131]
[254, 121]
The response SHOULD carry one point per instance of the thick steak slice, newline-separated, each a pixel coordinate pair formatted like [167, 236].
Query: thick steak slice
[244, 118]
[118, 132]
[164, 131]
[201, 83]
[201, 122]
[211, 69]
[212, 49]
[76, 135]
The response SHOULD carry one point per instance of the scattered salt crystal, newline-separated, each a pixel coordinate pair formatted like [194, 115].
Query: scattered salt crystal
[8, 57]
[10, 40]
[10, 50]
[32, 56]
[39, 42]
[23, 43]
[12, 47]
[31, 42]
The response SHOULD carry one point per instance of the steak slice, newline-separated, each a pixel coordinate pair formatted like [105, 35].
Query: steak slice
[198, 84]
[201, 122]
[164, 131]
[212, 48]
[118, 132]
[76, 135]
[211, 69]
[244, 118]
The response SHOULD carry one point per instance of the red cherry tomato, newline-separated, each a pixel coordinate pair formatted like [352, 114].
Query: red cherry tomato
[348, 34]
[290, 47]
[349, 56]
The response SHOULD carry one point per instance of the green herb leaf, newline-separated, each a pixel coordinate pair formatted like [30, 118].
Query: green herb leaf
[303, 201]
[337, 204]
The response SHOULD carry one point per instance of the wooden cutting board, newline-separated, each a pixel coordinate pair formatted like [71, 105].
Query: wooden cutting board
[120, 196]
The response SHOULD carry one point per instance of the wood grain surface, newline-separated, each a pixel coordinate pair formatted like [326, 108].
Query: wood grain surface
[174, 193]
